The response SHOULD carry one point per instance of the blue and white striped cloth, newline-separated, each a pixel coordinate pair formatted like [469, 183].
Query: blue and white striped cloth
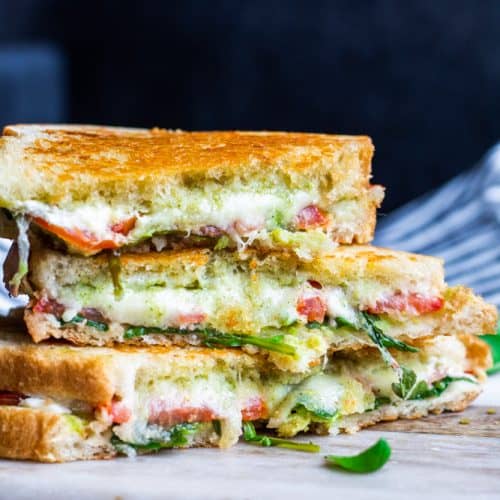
[459, 222]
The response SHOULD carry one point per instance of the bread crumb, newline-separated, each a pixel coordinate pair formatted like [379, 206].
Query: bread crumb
[491, 411]
[464, 421]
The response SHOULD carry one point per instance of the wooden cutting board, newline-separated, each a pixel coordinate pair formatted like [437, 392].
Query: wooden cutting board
[483, 421]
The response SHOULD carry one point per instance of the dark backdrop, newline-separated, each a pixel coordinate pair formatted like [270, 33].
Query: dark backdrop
[422, 78]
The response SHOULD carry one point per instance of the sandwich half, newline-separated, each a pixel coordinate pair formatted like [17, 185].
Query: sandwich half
[61, 403]
[96, 188]
[294, 311]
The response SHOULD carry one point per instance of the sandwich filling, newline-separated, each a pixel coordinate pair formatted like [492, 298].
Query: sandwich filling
[208, 406]
[226, 303]
[308, 220]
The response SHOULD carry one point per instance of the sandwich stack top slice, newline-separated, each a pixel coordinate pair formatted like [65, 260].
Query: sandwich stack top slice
[60, 403]
[294, 311]
[96, 188]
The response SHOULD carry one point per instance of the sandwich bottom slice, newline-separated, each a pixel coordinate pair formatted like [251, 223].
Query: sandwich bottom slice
[60, 403]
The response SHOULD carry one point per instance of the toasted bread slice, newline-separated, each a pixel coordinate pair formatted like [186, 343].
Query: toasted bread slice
[292, 309]
[69, 403]
[99, 188]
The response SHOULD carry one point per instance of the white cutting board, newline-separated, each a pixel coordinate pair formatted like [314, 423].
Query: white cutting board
[426, 465]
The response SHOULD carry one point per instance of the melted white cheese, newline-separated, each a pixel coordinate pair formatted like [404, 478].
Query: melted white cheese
[338, 305]
[267, 305]
[44, 404]
[185, 213]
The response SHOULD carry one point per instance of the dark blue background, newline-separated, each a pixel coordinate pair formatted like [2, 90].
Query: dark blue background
[422, 78]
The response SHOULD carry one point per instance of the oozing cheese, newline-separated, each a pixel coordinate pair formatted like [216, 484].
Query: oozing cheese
[186, 212]
[44, 404]
[259, 305]
[159, 396]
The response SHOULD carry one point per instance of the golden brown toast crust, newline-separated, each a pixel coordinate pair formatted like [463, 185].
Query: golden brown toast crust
[113, 153]
[94, 374]
[345, 264]
[28, 434]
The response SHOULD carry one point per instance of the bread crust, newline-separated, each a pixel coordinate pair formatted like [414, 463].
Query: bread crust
[118, 153]
[97, 374]
[27, 434]
[345, 264]
[407, 410]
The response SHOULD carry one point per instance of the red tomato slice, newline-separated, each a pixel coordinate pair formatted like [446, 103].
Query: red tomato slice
[118, 412]
[162, 414]
[8, 398]
[408, 303]
[255, 409]
[77, 238]
[191, 319]
[313, 308]
[310, 217]
[49, 306]
[125, 226]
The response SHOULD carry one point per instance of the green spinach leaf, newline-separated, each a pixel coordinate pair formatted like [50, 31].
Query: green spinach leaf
[251, 436]
[409, 389]
[115, 269]
[367, 322]
[102, 327]
[178, 436]
[369, 460]
[210, 337]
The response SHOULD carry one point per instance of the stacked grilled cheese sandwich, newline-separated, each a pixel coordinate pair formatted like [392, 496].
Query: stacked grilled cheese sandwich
[182, 284]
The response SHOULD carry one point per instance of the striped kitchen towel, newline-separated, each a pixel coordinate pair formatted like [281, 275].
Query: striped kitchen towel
[459, 222]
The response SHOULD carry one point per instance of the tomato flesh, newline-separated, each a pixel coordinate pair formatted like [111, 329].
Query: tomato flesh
[161, 414]
[49, 306]
[77, 238]
[255, 409]
[125, 226]
[191, 319]
[313, 308]
[310, 217]
[409, 303]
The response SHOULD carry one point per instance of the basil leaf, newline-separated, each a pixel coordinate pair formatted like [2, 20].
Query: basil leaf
[314, 325]
[407, 381]
[409, 389]
[251, 436]
[178, 436]
[381, 401]
[318, 414]
[440, 386]
[342, 322]
[139, 331]
[369, 460]
[210, 337]
[115, 268]
[102, 327]
[222, 242]
[494, 343]
[377, 336]
[367, 323]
